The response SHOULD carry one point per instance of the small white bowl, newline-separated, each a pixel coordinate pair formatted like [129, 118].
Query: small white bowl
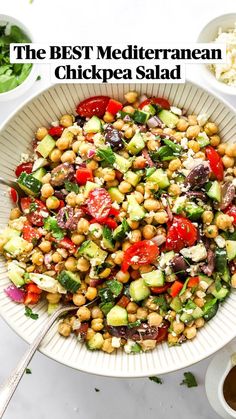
[30, 79]
[208, 34]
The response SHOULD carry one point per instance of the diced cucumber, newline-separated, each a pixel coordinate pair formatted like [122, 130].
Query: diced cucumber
[46, 146]
[8, 233]
[206, 281]
[16, 277]
[93, 125]
[168, 118]
[176, 304]
[210, 308]
[186, 318]
[69, 280]
[154, 278]
[149, 109]
[221, 294]
[132, 177]
[230, 249]
[136, 144]
[197, 313]
[39, 173]
[120, 232]
[122, 164]
[116, 195]
[203, 140]
[226, 275]
[29, 184]
[91, 251]
[117, 316]
[179, 204]
[95, 342]
[139, 290]
[135, 211]
[193, 211]
[140, 117]
[213, 190]
[15, 246]
[90, 186]
[161, 178]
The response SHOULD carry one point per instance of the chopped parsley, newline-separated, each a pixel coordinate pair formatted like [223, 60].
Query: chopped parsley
[97, 390]
[156, 380]
[28, 371]
[107, 154]
[38, 78]
[50, 224]
[189, 380]
[161, 302]
[71, 187]
[33, 207]
[29, 313]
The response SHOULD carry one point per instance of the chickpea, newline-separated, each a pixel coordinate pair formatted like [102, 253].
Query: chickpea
[83, 264]
[215, 141]
[192, 120]
[210, 128]
[211, 231]
[97, 324]
[83, 226]
[63, 143]
[41, 133]
[71, 199]
[56, 257]
[178, 327]
[148, 344]
[169, 173]
[15, 213]
[91, 293]
[149, 231]
[77, 238]
[108, 117]
[139, 197]
[109, 174]
[68, 156]
[233, 281]
[97, 313]
[182, 125]
[71, 264]
[222, 148]
[172, 340]
[132, 307]
[107, 346]
[64, 329]
[122, 277]
[142, 313]
[46, 178]
[84, 148]
[75, 146]
[118, 124]
[223, 221]
[37, 258]
[124, 187]
[193, 145]
[83, 314]
[139, 163]
[190, 332]
[174, 190]
[207, 217]
[151, 204]
[125, 245]
[128, 109]
[105, 273]
[118, 257]
[140, 188]
[53, 298]
[90, 334]
[135, 236]
[52, 202]
[133, 224]
[129, 133]
[199, 322]
[47, 190]
[174, 164]
[199, 302]
[228, 161]
[132, 318]
[154, 319]
[45, 246]
[66, 121]
[192, 131]
[152, 145]
[79, 299]
[131, 97]
[161, 217]
[145, 269]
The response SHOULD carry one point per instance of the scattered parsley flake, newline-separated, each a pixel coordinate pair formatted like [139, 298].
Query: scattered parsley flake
[50, 224]
[33, 207]
[189, 380]
[29, 313]
[28, 371]
[156, 380]
[38, 78]
[97, 390]
[106, 154]
[71, 187]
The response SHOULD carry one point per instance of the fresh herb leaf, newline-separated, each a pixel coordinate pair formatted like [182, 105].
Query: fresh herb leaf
[120, 232]
[161, 302]
[189, 380]
[175, 147]
[218, 284]
[134, 324]
[71, 187]
[106, 154]
[96, 389]
[50, 224]
[150, 171]
[28, 371]
[157, 380]
[29, 313]
[106, 307]
[115, 287]
[38, 78]
[33, 207]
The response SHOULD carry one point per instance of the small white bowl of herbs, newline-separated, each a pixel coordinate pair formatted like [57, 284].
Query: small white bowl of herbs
[15, 79]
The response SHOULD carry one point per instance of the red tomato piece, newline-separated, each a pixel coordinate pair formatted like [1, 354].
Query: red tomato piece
[216, 163]
[83, 175]
[175, 288]
[89, 137]
[99, 203]
[114, 106]
[124, 301]
[181, 233]
[35, 210]
[140, 253]
[161, 101]
[33, 288]
[231, 211]
[31, 298]
[109, 222]
[95, 105]
[56, 131]
[162, 334]
[193, 282]
[68, 244]
[29, 233]
[24, 167]
[13, 195]
[114, 211]
[160, 290]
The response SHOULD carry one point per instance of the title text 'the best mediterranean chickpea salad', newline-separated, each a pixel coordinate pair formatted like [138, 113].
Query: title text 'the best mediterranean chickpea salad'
[134, 204]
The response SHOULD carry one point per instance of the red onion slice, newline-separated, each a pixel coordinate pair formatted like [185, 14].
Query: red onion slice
[15, 293]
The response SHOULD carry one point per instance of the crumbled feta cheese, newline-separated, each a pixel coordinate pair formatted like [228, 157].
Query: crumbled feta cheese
[204, 285]
[78, 160]
[200, 294]
[24, 157]
[128, 347]
[202, 119]
[174, 334]
[17, 224]
[175, 110]
[220, 241]
[55, 123]
[99, 180]
[191, 162]
[196, 253]
[135, 259]
[184, 143]
[226, 72]
[115, 342]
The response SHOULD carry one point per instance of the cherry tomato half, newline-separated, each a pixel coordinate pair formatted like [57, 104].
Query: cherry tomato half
[99, 203]
[181, 233]
[83, 175]
[23, 167]
[29, 233]
[161, 101]
[231, 211]
[13, 195]
[140, 253]
[56, 131]
[160, 290]
[216, 163]
[35, 210]
[95, 105]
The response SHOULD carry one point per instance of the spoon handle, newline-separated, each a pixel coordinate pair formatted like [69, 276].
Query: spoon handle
[8, 388]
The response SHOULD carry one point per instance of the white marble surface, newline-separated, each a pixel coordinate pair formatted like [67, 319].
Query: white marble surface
[54, 390]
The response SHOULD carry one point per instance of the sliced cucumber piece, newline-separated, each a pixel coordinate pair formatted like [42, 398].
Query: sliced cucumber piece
[117, 316]
[39, 174]
[46, 146]
[230, 249]
[136, 144]
[132, 177]
[93, 125]
[213, 190]
[135, 211]
[92, 251]
[16, 277]
[122, 164]
[168, 118]
[140, 117]
[120, 232]
[15, 246]
[29, 184]
[154, 278]
[69, 280]
[176, 304]
[90, 186]
[116, 195]
[139, 290]
[161, 178]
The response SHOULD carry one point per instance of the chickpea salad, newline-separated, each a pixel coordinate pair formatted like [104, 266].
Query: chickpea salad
[130, 205]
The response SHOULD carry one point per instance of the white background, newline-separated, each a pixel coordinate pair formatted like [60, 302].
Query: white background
[53, 390]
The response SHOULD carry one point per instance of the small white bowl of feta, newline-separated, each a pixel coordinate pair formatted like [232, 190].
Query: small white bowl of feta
[222, 29]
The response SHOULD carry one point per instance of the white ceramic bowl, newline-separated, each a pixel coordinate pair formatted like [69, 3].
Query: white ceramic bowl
[28, 82]
[209, 34]
[15, 138]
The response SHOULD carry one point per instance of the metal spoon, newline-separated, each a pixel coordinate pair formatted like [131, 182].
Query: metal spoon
[14, 185]
[8, 388]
